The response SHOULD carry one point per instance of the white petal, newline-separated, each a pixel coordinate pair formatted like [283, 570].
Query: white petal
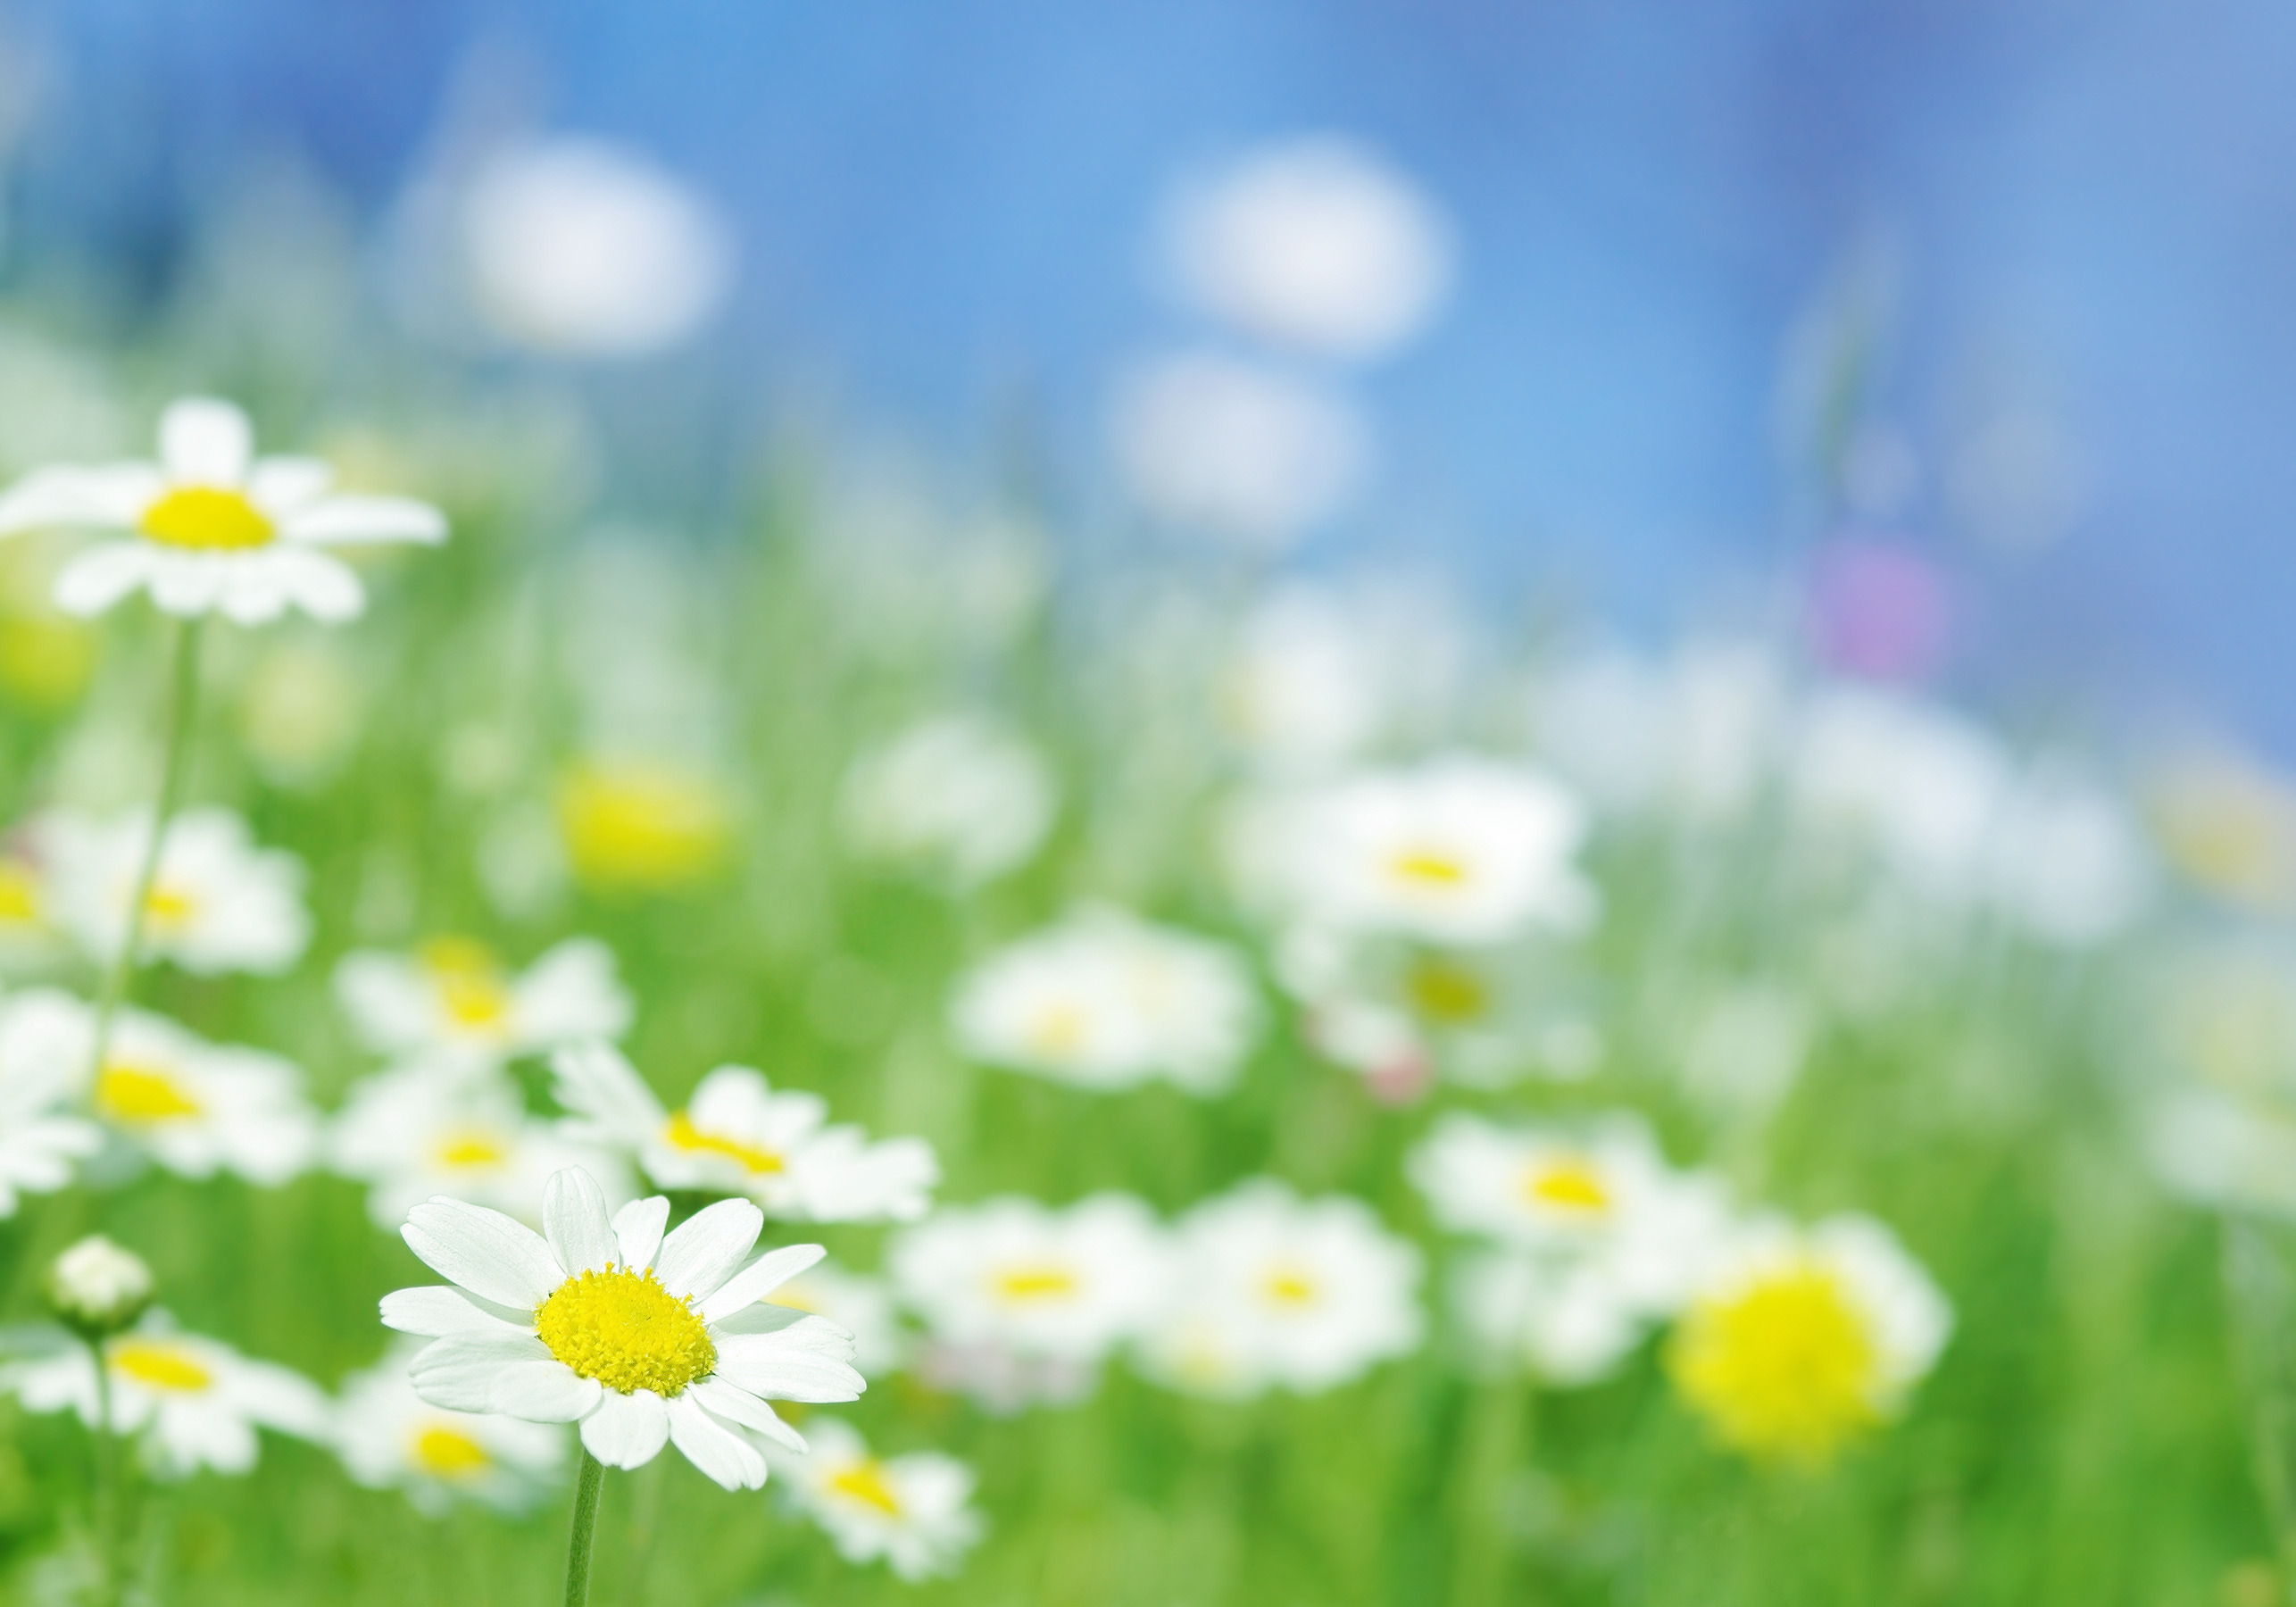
[345, 520]
[514, 1374]
[739, 1406]
[714, 1448]
[627, 1430]
[637, 1229]
[787, 1375]
[114, 497]
[485, 1252]
[707, 1246]
[435, 1310]
[279, 486]
[760, 1279]
[185, 583]
[322, 587]
[100, 576]
[574, 1220]
[204, 442]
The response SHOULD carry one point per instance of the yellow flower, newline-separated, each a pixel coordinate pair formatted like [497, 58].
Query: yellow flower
[644, 827]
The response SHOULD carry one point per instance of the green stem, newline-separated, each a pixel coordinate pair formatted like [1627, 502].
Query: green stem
[586, 1485]
[107, 1482]
[183, 702]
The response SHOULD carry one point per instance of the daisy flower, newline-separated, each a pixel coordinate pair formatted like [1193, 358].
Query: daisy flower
[913, 1511]
[1105, 1001]
[97, 1287]
[641, 1340]
[218, 902]
[1282, 1292]
[40, 1142]
[213, 527]
[736, 1136]
[1801, 1339]
[1568, 1321]
[957, 796]
[452, 998]
[192, 1402]
[390, 1438]
[651, 827]
[1024, 1277]
[193, 1107]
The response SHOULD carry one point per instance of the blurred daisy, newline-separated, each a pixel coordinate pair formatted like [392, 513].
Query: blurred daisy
[1285, 1293]
[644, 828]
[2225, 1151]
[452, 998]
[1105, 1001]
[390, 1438]
[856, 1303]
[1801, 1339]
[190, 1402]
[957, 796]
[736, 1136]
[218, 904]
[27, 936]
[1568, 1320]
[1069, 1284]
[213, 527]
[914, 1512]
[198, 1108]
[641, 1340]
[1456, 851]
[43, 1050]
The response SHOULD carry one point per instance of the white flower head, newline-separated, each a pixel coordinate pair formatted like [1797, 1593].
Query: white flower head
[2224, 1150]
[1066, 1284]
[737, 1136]
[645, 1340]
[193, 1107]
[915, 1511]
[1568, 1320]
[956, 794]
[98, 1287]
[453, 999]
[1271, 1291]
[218, 902]
[190, 1402]
[389, 1438]
[43, 1061]
[1106, 1001]
[213, 527]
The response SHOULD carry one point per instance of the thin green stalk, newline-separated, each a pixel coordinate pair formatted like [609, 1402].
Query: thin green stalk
[109, 1573]
[183, 703]
[586, 1485]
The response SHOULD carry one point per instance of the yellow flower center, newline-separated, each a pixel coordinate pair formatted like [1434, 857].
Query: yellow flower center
[20, 893]
[171, 908]
[624, 1329]
[1568, 1183]
[445, 1452]
[158, 1366]
[139, 1095]
[1784, 1368]
[864, 1481]
[1289, 1286]
[206, 519]
[753, 1158]
[472, 1149]
[471, 989]
[1429, 868]
[1058, 1032]
[644, 828]
[1446, 992]
[1025, 1283]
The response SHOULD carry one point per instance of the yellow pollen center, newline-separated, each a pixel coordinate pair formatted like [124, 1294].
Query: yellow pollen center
[208, 519]
[158, 1366]
[753, 1158]
[1034, 1283]
[1290, 1287]
[1567, 1183]
[865, 1482]
[472, 1149]
[1429, 868]
[624, 1329]
[139, 1094]
[445, 1452]
[1448, 994]
[1785, 1369]
[644, 828]
[171, 908]
[1058, 1032]
[20, 893]
[471, 986]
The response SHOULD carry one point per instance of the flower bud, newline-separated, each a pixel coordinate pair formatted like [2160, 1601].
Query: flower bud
[97, 1287]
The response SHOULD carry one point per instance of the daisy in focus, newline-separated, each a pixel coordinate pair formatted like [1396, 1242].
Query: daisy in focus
[390, 1438]
[210, 527]
[1803, 1339]
[193, 1107]
[1105, 1001]
[41, 1142]
[736, 1136]
[218, 904]
[641, 1338]
[190, 1402]
[957, 796]
[1282, 1293]
[453, 999]
[913, 1511]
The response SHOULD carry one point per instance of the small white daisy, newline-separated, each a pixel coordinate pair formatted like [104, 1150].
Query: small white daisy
[1568, 1320]
[913, 1511]
[1106, 1001]
[191, 1401]
[1275, 1291]
[737, 1136]
[193, 1107]
[390, 1438]
[218, 902]
[213, 528]
[453, 998]
[40, 1141]
[641, 1340]
[956, 795]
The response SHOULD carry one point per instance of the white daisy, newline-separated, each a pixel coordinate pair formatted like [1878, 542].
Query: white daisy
[1069, 1284]
[192, 1402]
[453, 998]
[1568, 1320]
[1106, 1001]
[193, 1107]
[390, 1438]
[40, 1141]
[914, 1512]
[1457, 851]
[641, 1340]
[213, 527]
[218, 902]
[957, 796]
[1275, 1291]
[737, 1136]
